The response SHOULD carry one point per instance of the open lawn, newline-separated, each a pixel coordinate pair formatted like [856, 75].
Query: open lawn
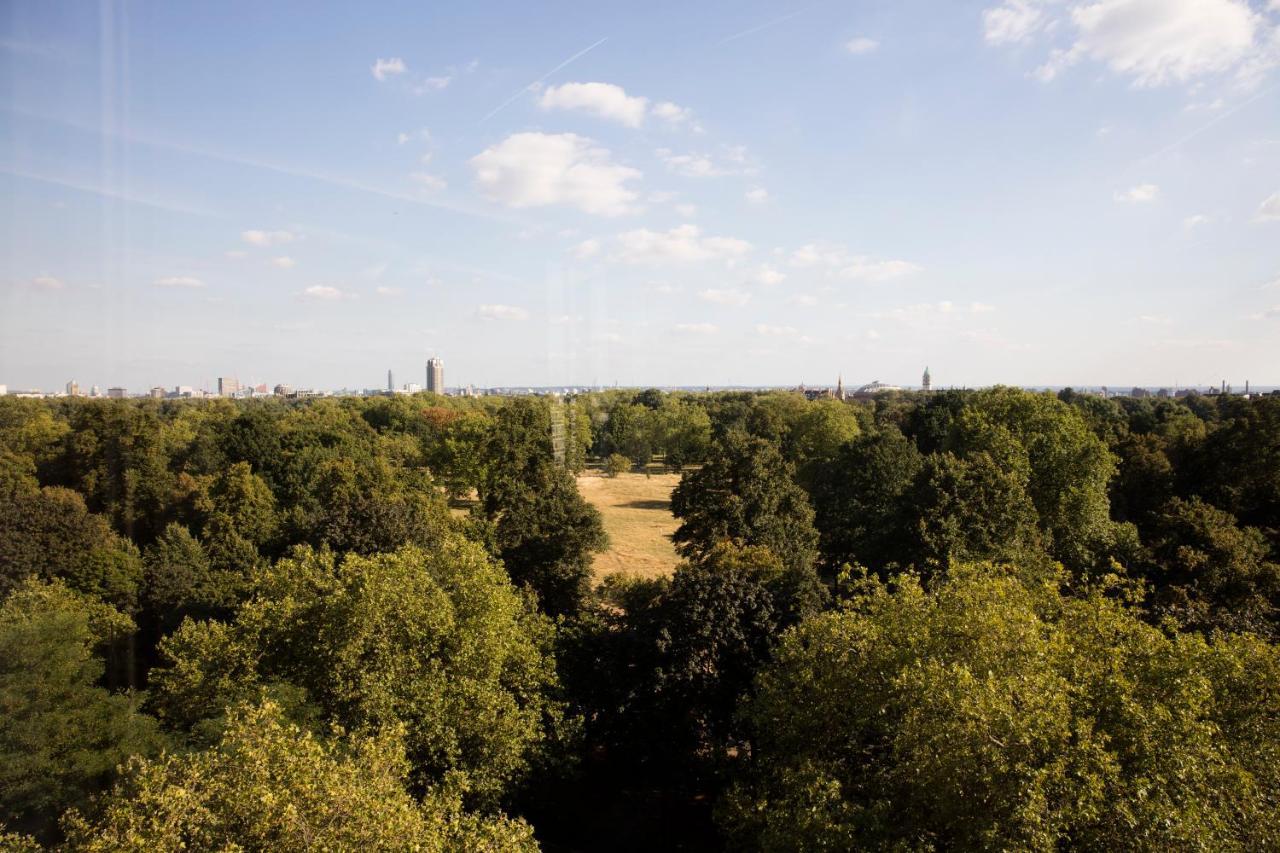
[637, 516]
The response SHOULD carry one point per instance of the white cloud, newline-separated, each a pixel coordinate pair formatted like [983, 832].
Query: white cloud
[236, 254]
[688, 211]
[812, 255]
[731, 160]
[604, 100]
[1269, 210]
[179, 281]
[683, 244]
[1140, 194]
[382, 290]
[805, 300]
[1154, 42]
[768, 276]
[757, 195]
[690, 165]
[432, 84]
[861, 45]
[1160, 41]
[284, 262]
[725, 296]
[697, 328]
[672, 113]
[775, 331]
[502, 312]
[1012, 21]
[1154, 319]
[538, 169]
[1195, 221]
[586, 249]
[432, 183]
[47, 282]
[866, 269]
[267, 238]
[837, 261]
[322, 293]
[423, 134]
[384, 68]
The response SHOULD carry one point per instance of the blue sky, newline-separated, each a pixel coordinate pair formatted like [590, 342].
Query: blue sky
[1017, 191]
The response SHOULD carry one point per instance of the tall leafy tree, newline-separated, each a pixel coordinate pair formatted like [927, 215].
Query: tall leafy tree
[745, 494]
[61, 734]
[1209, 572]
[437, 642]
[269, 784]
[859, 499]
[988, 714]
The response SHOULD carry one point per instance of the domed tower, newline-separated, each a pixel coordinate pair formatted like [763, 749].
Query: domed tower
[926, 381]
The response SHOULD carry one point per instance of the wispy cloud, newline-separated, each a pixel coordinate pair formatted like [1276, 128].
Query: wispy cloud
[48, 282]
[179, 281]
[502, 312]
[382, 69]
[322, 293]
[1141, 194]
[263, 239]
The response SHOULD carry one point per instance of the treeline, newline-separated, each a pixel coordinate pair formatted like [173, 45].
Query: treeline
[963, 620]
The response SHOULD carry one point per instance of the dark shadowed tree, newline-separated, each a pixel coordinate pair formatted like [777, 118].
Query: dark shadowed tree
[745, 494]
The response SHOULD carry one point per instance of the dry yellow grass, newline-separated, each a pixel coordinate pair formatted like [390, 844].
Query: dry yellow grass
[637, 517]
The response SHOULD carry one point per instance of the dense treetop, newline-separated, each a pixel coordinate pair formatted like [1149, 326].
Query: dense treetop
[963, 620]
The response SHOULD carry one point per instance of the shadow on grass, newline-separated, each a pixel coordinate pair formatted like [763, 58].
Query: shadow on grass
[645, 504]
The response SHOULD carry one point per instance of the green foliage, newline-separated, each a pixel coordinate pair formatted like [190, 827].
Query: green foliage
[1210, 573]
[61, 735]
[985, 714]
[686, 432]
[858, 499]
[546, 535]
[1067, 466]
[1237, 467]
[544, 531]
[435, 641]
[615, 464]
[272, 785]
[745, 495]
[48, 533]
[970, 509]
[181, 581]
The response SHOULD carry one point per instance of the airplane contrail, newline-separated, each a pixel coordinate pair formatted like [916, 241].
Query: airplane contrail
[524, 89]
[757, 29]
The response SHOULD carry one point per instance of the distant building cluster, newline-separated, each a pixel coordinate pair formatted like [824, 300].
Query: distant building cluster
[231, 387]
[862, 392]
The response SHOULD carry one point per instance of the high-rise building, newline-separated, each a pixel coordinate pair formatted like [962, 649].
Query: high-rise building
[157, 393]
[926, 381]
[228, 387]
[117, 393]
[95, 391]
[391, 385]
[435, 376]
[73, 389]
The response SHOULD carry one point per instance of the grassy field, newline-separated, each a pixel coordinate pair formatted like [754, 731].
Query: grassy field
[637, 516]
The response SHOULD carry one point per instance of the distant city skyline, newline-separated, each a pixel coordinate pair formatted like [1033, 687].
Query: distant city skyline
[1007, 190]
